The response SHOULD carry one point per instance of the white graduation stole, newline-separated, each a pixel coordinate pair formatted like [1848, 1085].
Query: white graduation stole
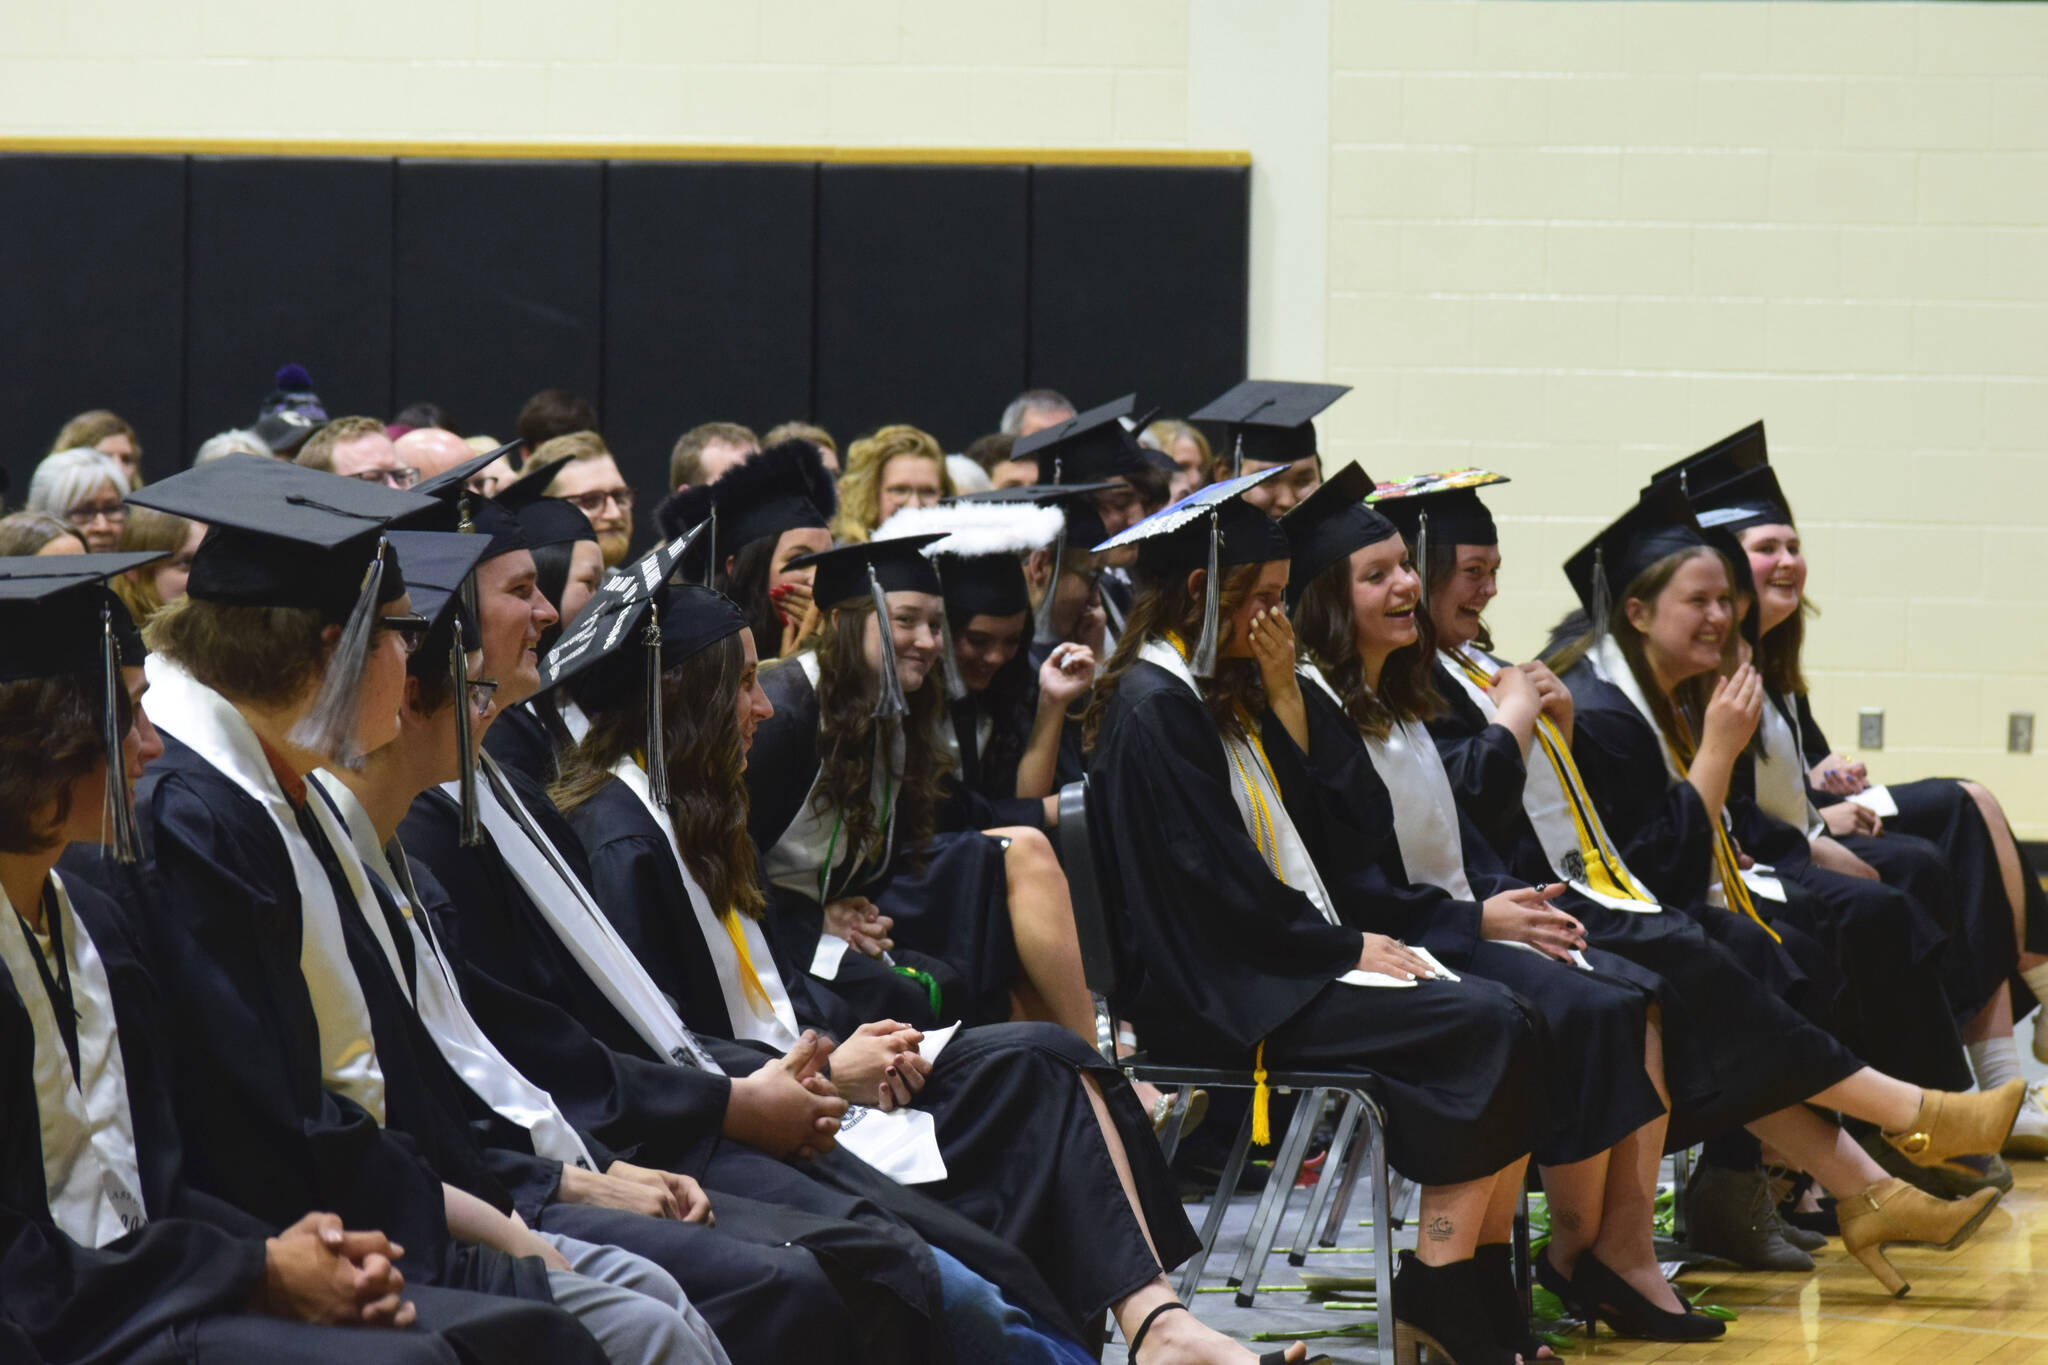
[208, 724]
[1781, 773]
[468, 1051]
[1559, 807]
[805, 855]
[90, 1172]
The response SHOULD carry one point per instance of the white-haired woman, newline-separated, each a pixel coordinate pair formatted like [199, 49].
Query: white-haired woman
[86, 488]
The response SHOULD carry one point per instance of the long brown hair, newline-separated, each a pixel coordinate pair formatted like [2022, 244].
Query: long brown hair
[1778, 651]
[1164, 604]
[1328, 629]
[846, 737]
[708, 801]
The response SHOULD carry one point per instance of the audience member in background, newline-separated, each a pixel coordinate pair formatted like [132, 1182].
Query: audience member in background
[992, 453]
[967, 476]
[1033, 410]
[1270, 423]
[357, 448]
[704, 454]
[494, 475]
[233, 441]
[432, 450]
[107, 433]
[897, 467]
[38, 533]
[551, 413]
[418, 416]
[290, 414]
[828, 449]
[592, 481]
[144, 591]
[85, 488]
[1189, 449]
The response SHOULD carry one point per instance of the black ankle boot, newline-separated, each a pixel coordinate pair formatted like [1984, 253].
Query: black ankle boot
[1434, 1307]
[1495, 1271]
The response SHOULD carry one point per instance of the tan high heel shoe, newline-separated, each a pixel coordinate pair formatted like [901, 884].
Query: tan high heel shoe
[1951, 1124]
[1892, 1213]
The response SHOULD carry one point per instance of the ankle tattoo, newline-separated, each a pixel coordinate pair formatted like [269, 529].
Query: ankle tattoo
[1439, 1229]
[1565, 1218]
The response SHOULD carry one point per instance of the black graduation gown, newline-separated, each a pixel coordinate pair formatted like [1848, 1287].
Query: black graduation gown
[950, 899]
[556, 1025]
[519, 740]
[1598, 1091]
[258, 1128]
[1872, 999]
[1757, 1053]
[185, 1280]
[1214, 954]
[982, 794]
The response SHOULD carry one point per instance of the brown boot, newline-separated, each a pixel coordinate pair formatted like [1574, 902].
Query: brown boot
[1892, 1213]
[1951, 1124]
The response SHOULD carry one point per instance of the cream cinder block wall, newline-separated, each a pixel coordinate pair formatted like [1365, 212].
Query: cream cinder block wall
[1569, 241]
[1573, 242]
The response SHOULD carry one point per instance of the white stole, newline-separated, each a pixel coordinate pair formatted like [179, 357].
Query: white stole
[1781, 773]
[208, 724]
[438, 1001]
[805, 854]
[90, 1172]
[578, 922]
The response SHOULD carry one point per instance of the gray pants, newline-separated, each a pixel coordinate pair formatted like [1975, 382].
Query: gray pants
[635, 1309]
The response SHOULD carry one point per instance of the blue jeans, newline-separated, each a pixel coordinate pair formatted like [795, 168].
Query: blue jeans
[985, 1329]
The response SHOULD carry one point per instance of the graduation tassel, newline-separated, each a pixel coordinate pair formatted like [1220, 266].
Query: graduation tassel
[1237, 454]
[956, 686]
[657, 752]
[1603, 599]
[711, 548]
[119, 816]
[1203, 664]
[465, 743]
[1262, 1100]
[329, 728]
[1422, 554]
[1041, 627]
[889, 702]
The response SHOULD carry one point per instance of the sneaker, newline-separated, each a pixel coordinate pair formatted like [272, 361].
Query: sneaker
[2029, 1136]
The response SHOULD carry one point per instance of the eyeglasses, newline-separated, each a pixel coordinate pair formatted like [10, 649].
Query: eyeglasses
[403, 476]
[481, 692]
[411, 630]
[85, 514]
[923, 495]
[593, 503]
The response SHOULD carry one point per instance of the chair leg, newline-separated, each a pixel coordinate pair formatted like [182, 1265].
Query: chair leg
[1212, 1226]
[1176, 1123]
[1347, 1187]
[1382, 1238]
[1524, 1277]
[1251, 1263]
[1681, 1172]
[1335, 1165]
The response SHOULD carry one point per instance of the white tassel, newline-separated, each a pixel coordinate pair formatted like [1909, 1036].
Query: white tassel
[329, 728]
[1041, 627]
[656, 748]
[119, 813]
[1203, 665]
[889, 700]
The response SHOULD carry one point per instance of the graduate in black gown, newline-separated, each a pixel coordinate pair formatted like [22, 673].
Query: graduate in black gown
[568, 566]
[1096, 455]
[1229, 948]
[846, 789]
[106, 1251]
[1665, 599]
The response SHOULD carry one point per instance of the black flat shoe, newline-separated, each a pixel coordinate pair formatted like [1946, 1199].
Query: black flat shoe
[1278, 1357]
[1609, 1298]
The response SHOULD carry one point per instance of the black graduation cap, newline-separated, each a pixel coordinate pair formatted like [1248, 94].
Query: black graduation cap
[1440, 508]
[554, 521]
[871, 569]
[1086, 448]
[455, 479]
[1751, 498]
[1213, 528]
[1659, 524]
[456, 508]
[60, 619]
[1270, 420]
[784, 488]
[1082, 526]
[532, 484]
[980, 559]
[1719, 462]
[1329, 524]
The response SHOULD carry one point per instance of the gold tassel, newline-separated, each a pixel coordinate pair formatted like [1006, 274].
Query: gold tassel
[1262, 1100]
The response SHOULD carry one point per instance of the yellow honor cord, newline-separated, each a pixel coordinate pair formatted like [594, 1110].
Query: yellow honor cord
[1726, 866]
[750, 977]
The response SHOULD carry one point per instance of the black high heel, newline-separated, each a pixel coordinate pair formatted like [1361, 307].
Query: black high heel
[1510, 1324]
[1278, 1357]
[1607, 1297]
[1433, 1307]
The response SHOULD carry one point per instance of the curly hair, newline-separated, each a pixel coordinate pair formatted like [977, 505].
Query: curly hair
[708, 801]
[1328, 630]
[49, 738]
[1164, 604]
[846, 738]
[860, 485]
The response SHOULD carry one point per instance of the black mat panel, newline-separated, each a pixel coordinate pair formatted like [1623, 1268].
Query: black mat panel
[91, 302]
[290, 261]
[922, 289]
[498, 285]
[1140, 278]
[708, 281]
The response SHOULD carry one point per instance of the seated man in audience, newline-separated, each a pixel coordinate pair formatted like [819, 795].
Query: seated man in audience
[704, 453]
[357, 448]
[432, 450]
[592, 481]
[1034, 410]
[551, 413]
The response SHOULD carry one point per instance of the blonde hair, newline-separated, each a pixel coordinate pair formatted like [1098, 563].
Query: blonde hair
[860, 486]
[686, 461]
[318, 451]
[90, 428]
[160, 532]
[1162, 435]
[577, 445]
[800, 431]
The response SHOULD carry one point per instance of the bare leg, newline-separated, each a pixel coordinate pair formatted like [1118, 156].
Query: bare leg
[1499, 1223]
[1450, 1217]
[1625, 1242]
[1869, 1095]
[2010, 869]
[1053, 988]
[1820, 1148]
[1577, 1196]
[1173, 1337]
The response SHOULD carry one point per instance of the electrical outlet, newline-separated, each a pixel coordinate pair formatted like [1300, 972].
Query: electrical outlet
[2019, 732]
[1870, 728]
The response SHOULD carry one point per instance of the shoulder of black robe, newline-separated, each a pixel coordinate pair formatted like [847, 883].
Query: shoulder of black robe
[1482, 759]
[1659, 827]
[521, 743]
[1211, 946]
[783, 763]
[635, 881]
[1814, 742]
[257, 1127]
[542, 1010]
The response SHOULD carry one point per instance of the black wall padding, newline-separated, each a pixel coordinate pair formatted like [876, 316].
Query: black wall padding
[498, 285]
[1139, 280]
[290, 260]
[91, 299]
[922, 291]
[708, 284]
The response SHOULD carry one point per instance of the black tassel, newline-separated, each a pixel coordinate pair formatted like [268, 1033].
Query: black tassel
[657, 757]
[465, 742]
[1422, 555]
[1602, 605]
[1203, 665]
[119, 818]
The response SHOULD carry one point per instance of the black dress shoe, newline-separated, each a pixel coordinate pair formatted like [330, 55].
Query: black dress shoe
[1612, 1300]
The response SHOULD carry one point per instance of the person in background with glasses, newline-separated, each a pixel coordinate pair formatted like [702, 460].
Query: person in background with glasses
[357, 448]
[87, 489]
[592, 481]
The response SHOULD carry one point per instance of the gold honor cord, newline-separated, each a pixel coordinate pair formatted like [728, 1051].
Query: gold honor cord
[1725, 865]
